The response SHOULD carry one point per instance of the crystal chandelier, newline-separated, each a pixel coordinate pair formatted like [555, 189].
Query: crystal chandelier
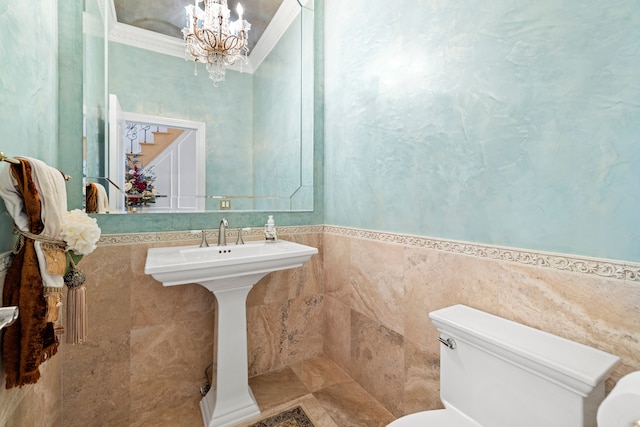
[212, 39]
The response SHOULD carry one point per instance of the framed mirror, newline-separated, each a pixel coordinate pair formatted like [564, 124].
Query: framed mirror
[257, 152]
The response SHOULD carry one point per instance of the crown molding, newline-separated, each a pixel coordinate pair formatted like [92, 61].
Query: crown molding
[111, 11]
[284, 16]
[156, 42]
[144, 39]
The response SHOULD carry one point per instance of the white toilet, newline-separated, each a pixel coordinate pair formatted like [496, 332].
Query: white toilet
[498, 373]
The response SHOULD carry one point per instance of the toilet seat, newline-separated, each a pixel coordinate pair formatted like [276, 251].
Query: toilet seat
[437, 418]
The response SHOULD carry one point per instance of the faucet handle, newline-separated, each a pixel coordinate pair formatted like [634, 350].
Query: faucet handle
[203, 243]
[240, 230]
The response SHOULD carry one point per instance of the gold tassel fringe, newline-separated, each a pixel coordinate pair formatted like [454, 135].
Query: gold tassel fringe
[76, 304]
[77, 327]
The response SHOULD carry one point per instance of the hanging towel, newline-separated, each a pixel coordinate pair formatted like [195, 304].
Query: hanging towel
[51, 187]
[97, 200]
[35, 196]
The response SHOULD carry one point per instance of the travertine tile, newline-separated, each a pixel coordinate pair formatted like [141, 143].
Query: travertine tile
[424, 292]
[277, 387]
[154, 304]
[598, 312]
[374, 299]
[267, 337]
[279, 286]
[109, 278]
[181, 413]
[305, 328]
[169, 360]
[422, 378]
[307, 280]
[349, 405]
[337, 258]
[319, 372]
[377, 361]
[271, 289]
[96, 376]
[41, 404]
[337, 338]
[376, 278]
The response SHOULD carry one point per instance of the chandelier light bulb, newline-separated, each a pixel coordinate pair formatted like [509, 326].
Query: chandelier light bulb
[239, 9]
[211, 39]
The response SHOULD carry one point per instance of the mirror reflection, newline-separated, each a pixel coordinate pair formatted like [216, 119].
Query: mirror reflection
[256, 127]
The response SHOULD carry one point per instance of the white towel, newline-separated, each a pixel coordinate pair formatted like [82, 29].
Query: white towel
[53, 199]
[12, 198]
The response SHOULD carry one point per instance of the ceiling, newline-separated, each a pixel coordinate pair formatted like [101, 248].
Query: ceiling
[169, 17]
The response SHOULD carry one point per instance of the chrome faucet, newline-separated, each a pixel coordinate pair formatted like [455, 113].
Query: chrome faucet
[222, 238]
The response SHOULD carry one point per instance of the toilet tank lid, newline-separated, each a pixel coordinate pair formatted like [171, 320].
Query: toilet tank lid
[569, 363]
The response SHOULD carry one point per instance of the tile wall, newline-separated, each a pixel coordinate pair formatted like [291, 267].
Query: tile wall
[34, 405]
[31, 405]
[363, 301]
[149, 345]
[379, 289]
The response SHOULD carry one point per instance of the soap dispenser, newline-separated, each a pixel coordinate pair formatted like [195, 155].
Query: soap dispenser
[270, 233]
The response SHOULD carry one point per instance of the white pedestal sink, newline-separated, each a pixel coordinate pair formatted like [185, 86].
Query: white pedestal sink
[229, 272]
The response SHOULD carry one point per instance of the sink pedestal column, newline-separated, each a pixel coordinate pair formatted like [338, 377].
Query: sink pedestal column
[231, 401]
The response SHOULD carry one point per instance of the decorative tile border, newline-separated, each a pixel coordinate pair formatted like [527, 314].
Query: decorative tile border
[613, 269]
[600, 267]
[212, 235]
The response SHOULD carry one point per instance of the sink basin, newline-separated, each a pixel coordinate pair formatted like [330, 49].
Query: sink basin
[223, 266]
[229, 272]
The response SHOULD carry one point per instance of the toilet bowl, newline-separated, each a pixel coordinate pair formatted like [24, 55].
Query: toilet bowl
[498, 373]
[436, 418]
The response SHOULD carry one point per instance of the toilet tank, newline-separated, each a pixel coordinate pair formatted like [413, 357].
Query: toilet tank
[504, 374]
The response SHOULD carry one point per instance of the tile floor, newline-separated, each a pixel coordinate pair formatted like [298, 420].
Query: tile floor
[328, 395]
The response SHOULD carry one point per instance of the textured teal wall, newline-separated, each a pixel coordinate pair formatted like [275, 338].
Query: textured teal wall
[28, 86]
[493, 121]
[70, 98]
[29, 78]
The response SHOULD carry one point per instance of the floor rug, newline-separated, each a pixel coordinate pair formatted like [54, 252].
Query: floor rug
[294, 417]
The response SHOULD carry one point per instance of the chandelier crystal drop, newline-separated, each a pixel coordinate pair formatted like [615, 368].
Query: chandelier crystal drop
[213, 40]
